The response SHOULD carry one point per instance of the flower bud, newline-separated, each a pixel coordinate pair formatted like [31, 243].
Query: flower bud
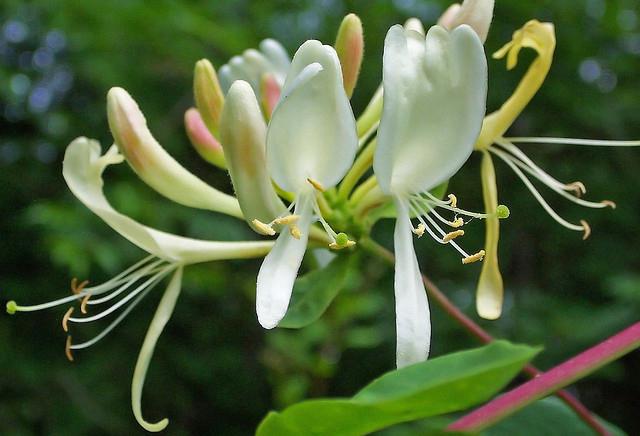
[476, 13]
[208, 94]
[350, 48]
[269, 93]
[202, 140]
[153, 164]
[243, 133]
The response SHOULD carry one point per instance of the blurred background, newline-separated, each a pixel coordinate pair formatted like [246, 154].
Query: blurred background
[214, 370]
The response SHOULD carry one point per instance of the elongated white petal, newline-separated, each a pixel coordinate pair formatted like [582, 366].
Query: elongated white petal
[280, 268]
[82, 169]
[243, 134]
[476, 13]
[154, 165]
[413, 322]
[276, 53]
[312, 132]
[160, 319]
[434, 102]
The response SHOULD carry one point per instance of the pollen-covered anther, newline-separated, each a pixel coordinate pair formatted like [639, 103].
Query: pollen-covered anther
[453, 200]
[65, 319]
[317, 185]
[287, 220]
[452, 235]
[76, 287]
[458, 222]
[609, 203]
[67, 349]
[336, 246]
[474, 257]
[419, 231]
[295, 231]
[586, 228]
[262, 228]
[578, 188]
[83, 304]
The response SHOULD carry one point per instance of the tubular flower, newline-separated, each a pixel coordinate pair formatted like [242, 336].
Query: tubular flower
[434, 102]
[311, 143]
[476, 13]
[168, 255]
[492, 142]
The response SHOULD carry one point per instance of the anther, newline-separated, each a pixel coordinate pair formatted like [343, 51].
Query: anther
[286, 220]
[65, 319]
[419, 230]
[83, 304]
[67, 349]
[315, 184]
[452, 235]
[295, 231]
[77, 288]
[609, 203]
[458, 222]
[263, 228]
[474, 257]
[453, 200]
[586, 228]
[578, 188]
[336, 246]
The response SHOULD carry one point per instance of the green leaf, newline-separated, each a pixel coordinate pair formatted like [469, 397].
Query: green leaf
[559, 420]
[441, 385]
[313, 292]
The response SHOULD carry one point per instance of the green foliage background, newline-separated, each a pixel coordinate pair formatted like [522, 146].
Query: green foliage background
[215, 370]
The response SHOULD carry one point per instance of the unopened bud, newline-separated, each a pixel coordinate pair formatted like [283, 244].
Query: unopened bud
[269, 93]
[475, 13]
[208, 94]
[202, 140]
[350, 49]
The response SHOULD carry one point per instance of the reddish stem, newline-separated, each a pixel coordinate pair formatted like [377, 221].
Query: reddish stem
[477, 331]
[544, 384]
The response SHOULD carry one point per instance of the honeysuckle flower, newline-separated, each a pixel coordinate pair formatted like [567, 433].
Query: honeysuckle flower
[492, 141]
[349, 46]
[207, 146]
[311, 143]
[475, 13]
[168, 255]
[434, 101]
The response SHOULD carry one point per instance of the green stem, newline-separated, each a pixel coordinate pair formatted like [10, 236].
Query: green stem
[360, 167]
[363, 190]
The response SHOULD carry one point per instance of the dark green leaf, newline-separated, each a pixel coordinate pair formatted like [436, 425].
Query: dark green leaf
[313, 292]
[441, 385]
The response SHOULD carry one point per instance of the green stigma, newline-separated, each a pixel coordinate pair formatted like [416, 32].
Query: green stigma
[503, 211]
[342, 238]
[12, 307]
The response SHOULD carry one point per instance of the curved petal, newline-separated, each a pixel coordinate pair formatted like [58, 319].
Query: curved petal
[434, 102]
[312, 132]
[160, 319]
[413, 323]
[82, 170]
[243, 134]
[280, 268]
[276, 53]
[476, 13]
[154, 165]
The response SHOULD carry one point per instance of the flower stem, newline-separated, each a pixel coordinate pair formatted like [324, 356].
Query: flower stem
[545, 383]
[360, 167]
[468, 324]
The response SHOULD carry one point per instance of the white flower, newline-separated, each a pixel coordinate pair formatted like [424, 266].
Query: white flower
[434, 102]
[476, 13]
[311, 143]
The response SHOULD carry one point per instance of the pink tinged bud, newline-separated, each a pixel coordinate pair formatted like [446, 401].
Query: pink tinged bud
[202, 140]
[350, 48]
[208, 94]
[269, 93]
[476, 13]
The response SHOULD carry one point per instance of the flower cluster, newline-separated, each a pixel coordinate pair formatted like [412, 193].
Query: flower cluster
[297, 157]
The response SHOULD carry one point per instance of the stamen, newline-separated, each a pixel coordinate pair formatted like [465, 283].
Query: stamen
[452, 235]
[77, 288]
[67, 349]
[477, 257]
[295, 231]
[336, 246]
[262, 228]
[317, 185]
[575, 141]
[458, 222]
[286, 220]
[609, 203]
[430, 198]
[83, 304]
[578, 188]
[65, 319]
[419, 230]
[587, 229]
